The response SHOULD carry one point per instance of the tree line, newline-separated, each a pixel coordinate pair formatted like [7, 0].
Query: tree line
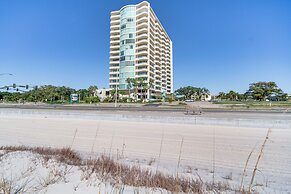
[50, 94]
[259, 91]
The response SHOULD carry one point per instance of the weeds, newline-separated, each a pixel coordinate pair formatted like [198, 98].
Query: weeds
[111, 171]
[63, 155]
[118, 175]
[9, 186]
[258, 160]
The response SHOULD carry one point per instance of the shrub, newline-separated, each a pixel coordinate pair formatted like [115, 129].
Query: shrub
[92, 99]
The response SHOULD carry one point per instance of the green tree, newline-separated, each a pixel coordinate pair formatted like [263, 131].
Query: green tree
[92, 99]
[129, 85]
[261, 90]
[232, 95]
[190, 91]
[83, 94]
[92, 90]
[150, 86]
[221, 96]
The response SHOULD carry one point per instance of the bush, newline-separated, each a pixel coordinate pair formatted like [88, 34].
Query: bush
[107, 99]
[92, 99]
[170, 100]
[125, 99]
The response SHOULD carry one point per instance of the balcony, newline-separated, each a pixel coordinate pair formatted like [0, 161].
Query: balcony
[141, 25]
[114, 23]
[142, 41]
[142, 35]
[113, 51]
[142, 20]
[114, 38]
[114, 78]
[140, 70]
[141, 30]
[141, 46]
[143, 75]
[142, 5]
[113, 81]
[141, 51]
[115, 42]
[114, 61]
[115, 16]
[115, 56]
[141, 14]
[115, 32]
[142, 64]
[141, 57]
[114, 29]
[114, 67]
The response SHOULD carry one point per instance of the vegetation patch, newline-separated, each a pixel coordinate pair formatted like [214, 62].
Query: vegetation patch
[114, 172]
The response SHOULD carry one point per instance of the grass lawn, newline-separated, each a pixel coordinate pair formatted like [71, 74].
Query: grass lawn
[248, 104]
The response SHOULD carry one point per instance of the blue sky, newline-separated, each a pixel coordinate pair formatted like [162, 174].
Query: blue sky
[220, 45]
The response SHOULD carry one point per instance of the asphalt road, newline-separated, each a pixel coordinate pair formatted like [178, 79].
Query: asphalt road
[153, 107]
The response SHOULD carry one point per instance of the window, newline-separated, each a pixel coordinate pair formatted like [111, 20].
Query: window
[122, 53]
[130, 35]
[130, 20]
[123, 26]
[128, 41]
[129, 63]
[122, 58]
[122, 42]
[131, 46]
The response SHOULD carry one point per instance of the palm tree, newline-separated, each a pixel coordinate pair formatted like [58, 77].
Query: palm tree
[145, 86]
[129, 85]
[134, 82]
[151, 85]
[92, 90]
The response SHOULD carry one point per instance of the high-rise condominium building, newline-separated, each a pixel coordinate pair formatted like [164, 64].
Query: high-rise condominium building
[140, 48]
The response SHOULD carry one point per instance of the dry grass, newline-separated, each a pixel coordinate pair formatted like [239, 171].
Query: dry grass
[64, 155]
[138, 177]
[258, 160]
[112, 171]
[9, 186]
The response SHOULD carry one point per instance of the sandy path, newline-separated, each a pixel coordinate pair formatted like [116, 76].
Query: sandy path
[142, 140]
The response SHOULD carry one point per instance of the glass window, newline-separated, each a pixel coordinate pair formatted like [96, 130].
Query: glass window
[123, 26]
[122, 58]
[131, 46]
[122, 53]
[130, 35]
[128, 41]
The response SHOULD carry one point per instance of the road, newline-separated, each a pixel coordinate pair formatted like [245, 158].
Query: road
[147, 107]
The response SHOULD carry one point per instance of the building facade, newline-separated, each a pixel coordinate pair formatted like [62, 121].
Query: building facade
[140, 48]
